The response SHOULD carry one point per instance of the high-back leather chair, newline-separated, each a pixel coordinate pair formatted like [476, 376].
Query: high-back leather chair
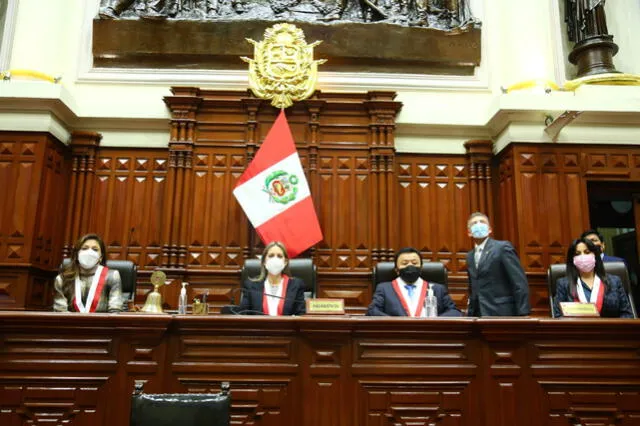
[555, 271]
[128, 275]
[301, 268]
[431, 271]
[184, 409]
[559, 270]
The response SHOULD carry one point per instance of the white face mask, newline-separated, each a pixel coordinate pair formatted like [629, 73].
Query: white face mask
[274, 265]
[88, 258]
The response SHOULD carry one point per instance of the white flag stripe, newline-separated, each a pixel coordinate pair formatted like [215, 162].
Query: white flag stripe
[257, 203]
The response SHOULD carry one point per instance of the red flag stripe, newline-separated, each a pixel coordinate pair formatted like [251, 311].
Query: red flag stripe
[297, 227]
[278, 145]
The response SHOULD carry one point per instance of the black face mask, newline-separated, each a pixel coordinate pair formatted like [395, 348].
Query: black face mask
[409, 274]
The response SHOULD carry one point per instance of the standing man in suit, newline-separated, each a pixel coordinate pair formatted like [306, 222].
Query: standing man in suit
[405, 295]
[497, 283]
[598, 240]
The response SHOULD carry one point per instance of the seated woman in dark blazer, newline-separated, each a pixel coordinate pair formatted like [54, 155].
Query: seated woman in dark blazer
[273, 292]
[587, 282]
[86, 284]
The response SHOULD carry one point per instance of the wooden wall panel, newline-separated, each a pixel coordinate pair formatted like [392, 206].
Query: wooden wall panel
[217, 226]
[529, 187]
[13, 286]
[126, 204]
[341, 197]
[48, 241]
[552, 196]
[506, 218]
[32, 200]
[543, 201]
[433, 200]
[22, 156]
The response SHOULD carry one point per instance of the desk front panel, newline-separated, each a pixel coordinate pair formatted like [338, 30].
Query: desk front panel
[80, 369]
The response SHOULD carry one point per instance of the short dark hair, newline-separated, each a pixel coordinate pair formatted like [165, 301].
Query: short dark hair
[476, 214]
[403, 251]
[588, 232]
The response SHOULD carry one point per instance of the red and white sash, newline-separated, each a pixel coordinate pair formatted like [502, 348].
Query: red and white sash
[97, 284]
[597, 293]
[404, 300]
[265, 301]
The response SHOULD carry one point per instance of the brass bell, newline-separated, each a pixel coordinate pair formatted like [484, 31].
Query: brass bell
[153, 304]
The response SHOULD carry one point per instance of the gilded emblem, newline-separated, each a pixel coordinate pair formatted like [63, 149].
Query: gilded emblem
[283, 69]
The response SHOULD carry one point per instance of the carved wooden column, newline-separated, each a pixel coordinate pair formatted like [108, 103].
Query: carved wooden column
[314, 106]
[373, 199]
[179, 192]
[384, 210]
[83, 173]
[480, 153]
[251, 107]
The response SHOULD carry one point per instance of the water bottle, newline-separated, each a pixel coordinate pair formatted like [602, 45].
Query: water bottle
[182, 300]
[431, 304]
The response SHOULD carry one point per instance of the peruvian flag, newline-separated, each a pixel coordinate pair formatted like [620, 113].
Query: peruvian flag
[275, 195]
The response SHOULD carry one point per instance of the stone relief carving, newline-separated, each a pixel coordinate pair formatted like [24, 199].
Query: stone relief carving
[438, 14]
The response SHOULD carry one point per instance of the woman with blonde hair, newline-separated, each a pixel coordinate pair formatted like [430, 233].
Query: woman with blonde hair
[273, 292]
[86, 284]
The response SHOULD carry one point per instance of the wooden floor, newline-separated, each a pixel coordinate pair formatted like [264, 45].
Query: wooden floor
[333, 371]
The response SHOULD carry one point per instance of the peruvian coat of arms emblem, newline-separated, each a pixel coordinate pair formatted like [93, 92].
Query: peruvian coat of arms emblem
[281, 187]
[283, 69]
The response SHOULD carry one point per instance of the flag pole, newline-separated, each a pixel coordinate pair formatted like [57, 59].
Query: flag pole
[287, 76]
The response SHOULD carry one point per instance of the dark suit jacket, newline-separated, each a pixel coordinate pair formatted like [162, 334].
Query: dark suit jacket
[606, 258]
[252, 297]
[386, 302]
[615, 304]
[499, 286]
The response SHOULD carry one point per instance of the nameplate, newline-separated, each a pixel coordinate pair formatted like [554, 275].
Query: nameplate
[325, 306]
[576, 309]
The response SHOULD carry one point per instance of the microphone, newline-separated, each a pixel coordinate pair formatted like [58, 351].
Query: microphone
[234, 309]
[252, 290]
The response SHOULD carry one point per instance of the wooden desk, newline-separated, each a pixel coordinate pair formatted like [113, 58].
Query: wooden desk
[324, 371]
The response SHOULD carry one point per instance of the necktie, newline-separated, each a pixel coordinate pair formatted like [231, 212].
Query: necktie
[476, 255]
[410, 289]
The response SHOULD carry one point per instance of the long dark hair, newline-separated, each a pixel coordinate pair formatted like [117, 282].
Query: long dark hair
[70, 271]
[572, 272]
[263, 269]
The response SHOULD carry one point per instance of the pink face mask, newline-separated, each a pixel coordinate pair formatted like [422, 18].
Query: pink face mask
[585, 262]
